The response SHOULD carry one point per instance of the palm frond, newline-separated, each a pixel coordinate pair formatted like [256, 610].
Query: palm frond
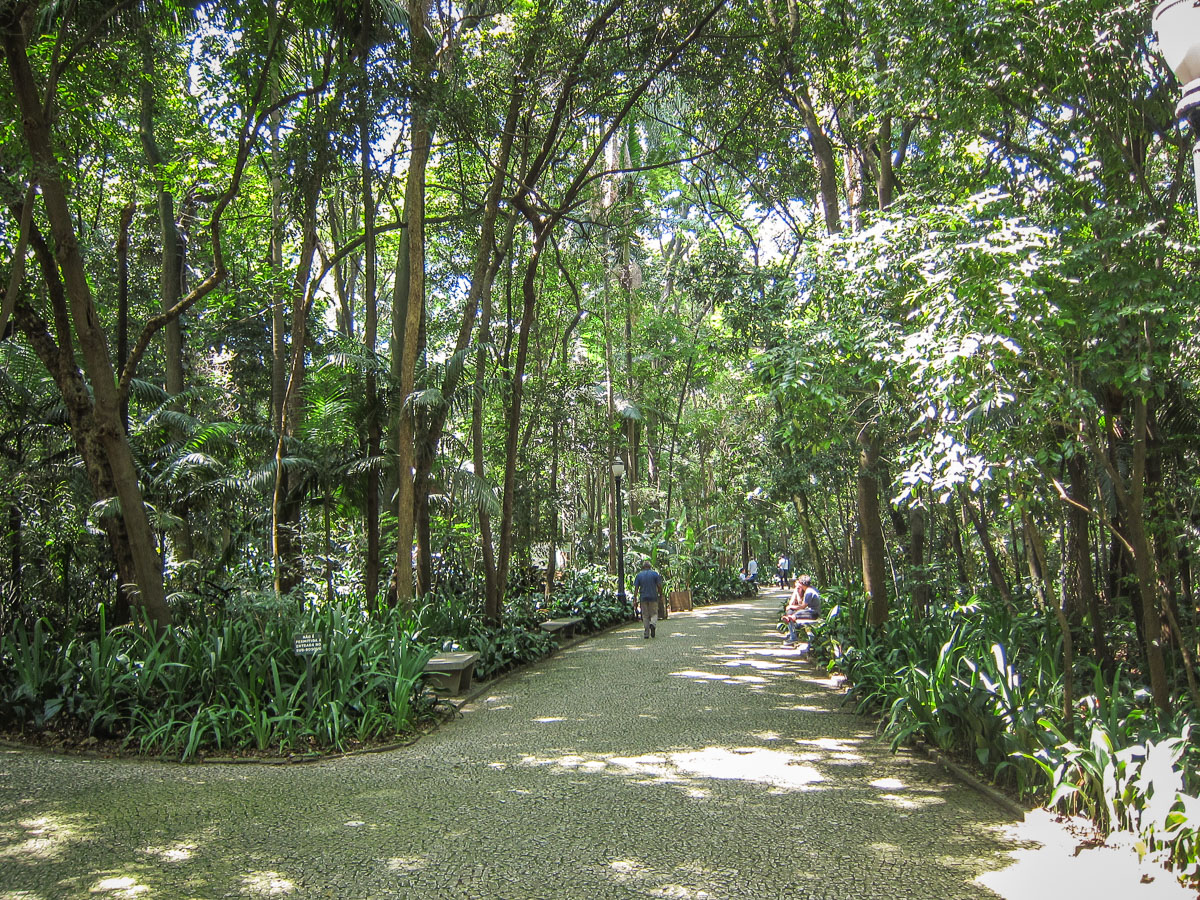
[476, 492]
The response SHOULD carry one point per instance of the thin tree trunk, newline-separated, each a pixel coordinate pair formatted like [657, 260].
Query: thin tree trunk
[286, 505]
[1081, 561]
[800, 500]
[409, 335]
[954, 524]
[171, 280]
[1039, 577]
[516, 395]
[918, 573]
[1143, 557]
[123, 300]
[995, 570]
[491, 589]
[871, 528]
[552, 556]
[370, 340]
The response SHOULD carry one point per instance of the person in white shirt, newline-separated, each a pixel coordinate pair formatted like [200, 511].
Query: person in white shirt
[752, 571]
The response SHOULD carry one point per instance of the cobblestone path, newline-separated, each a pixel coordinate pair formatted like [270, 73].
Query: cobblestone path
[708, 762]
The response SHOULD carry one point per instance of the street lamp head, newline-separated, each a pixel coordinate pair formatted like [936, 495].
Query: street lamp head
[618, 467]
[1177, 28]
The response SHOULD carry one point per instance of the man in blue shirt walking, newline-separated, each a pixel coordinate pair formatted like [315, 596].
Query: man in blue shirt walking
[648, 585]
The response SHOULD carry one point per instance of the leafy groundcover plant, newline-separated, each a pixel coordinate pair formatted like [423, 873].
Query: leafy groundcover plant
[228, 684]
[985, 685]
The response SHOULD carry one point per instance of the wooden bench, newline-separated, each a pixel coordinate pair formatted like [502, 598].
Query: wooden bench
[450, 673]
[562, 628]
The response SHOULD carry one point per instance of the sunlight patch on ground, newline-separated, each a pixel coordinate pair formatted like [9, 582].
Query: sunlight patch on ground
[406, 864]
[779, 769]
[1049, 866]
[831, 745]
[626, 867]
[43, 838]
[629, 871]
[773, 767]
[768, 736]
[908, 802]
[759, 664]
[893, 784]
[267, 884]
[715, 612]
[775, 651]
[678, 892]
[173, 853]
[746, 679]
[118, 886]
[545, 720]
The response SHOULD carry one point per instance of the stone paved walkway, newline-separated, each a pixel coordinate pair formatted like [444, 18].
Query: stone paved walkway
[706, 763]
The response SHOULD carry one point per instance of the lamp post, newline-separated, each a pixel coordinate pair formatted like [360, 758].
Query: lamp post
[618, 469]
[1177, 28]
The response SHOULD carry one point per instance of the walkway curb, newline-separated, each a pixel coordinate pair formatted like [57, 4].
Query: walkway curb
[971, 780]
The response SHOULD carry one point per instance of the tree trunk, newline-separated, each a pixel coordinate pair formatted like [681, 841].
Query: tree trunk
[918, 574]
[123, 300]
[516, 395]
[1039, 577]
[1144, 559]
[172, 274]
[871, 528]
[826, 159]
[552, 556]
[1081, 560]
[488, 257]
[286, 505]
[816, 558]
[15, 531]
[995, 570]
[408, 332]
[93, 343]
[370, 339]
[954, 525]
[491, 588]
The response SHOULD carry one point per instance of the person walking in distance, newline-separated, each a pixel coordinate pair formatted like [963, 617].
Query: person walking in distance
[648, 585]
[785, 575]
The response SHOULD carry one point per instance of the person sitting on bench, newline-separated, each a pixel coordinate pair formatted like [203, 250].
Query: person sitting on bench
[803, 606]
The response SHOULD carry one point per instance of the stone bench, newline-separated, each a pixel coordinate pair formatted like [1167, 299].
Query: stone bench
[450, 673]
[562, 628]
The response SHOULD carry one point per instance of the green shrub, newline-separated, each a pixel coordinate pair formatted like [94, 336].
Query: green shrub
[712, 582]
